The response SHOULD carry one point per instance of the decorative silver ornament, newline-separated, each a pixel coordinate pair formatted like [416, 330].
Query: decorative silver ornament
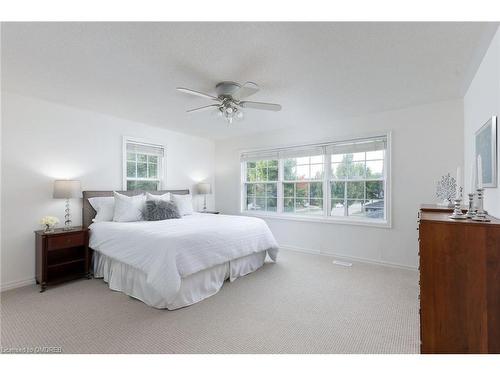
[446, 189]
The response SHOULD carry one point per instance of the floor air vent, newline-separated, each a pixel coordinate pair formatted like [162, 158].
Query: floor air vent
[340, 263]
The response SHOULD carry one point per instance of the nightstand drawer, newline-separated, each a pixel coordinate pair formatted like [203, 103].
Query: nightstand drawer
[68, 240]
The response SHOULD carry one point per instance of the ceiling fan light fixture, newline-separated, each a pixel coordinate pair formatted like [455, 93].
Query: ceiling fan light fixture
[229, 95]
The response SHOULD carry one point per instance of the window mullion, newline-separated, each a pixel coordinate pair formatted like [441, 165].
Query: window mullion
[243, 187]
[309, 192]
[346, 204]
[280, 191]
[295, 197]
[160, 174]
[326, 185]
[363, 203]
[135, 165]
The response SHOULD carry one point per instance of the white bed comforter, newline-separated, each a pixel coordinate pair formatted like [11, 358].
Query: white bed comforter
[168, 250]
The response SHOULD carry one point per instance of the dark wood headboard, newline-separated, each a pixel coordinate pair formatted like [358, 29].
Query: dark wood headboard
[88, 212]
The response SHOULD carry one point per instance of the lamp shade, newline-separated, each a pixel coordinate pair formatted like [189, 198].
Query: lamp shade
[204, 188]
[67, 189]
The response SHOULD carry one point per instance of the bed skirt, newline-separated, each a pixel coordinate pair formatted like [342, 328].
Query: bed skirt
[194, 288]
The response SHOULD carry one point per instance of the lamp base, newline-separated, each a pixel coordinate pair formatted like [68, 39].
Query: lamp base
[67, 217]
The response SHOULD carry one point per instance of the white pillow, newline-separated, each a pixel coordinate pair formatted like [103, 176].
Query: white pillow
[153, 197]
[105, 208]
[184, 203]
[128, 208]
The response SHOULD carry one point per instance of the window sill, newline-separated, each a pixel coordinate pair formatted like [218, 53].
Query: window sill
[321, 219]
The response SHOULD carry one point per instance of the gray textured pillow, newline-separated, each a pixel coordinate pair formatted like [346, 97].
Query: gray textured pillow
[161, 210]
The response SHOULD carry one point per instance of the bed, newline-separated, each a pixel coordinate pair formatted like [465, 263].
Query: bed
[174, 263]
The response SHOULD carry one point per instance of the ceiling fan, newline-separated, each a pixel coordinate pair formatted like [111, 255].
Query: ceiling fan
[229, 97]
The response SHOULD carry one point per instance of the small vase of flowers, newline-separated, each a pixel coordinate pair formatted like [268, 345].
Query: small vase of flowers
[49, 222]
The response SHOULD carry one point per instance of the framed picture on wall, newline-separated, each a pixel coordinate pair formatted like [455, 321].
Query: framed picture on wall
[486, 146]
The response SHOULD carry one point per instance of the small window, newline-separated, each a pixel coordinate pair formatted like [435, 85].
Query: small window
[143, 165]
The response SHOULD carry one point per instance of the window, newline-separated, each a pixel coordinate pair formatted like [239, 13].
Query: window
[303, 185]
[357, 184]
[261, 187]
[333, 181]
[143, 165]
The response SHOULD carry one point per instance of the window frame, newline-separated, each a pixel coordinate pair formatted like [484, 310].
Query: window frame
[326, 217]
[365, 179]
[161, 165]
[244, 183]
[308, 181]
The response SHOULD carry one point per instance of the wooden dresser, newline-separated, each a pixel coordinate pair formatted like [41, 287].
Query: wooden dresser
[459, 284]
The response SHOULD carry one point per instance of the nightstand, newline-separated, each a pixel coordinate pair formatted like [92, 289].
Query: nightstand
[209, 212]
[61, 255]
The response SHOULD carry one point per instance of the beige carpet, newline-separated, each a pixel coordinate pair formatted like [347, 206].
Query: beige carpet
[302, 304]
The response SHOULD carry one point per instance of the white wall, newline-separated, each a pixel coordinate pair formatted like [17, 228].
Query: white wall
[43, 141]
[481, 101]
[427, 142]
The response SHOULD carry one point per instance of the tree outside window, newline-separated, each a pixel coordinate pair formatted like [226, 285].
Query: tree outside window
[143, 166]
[344, 179]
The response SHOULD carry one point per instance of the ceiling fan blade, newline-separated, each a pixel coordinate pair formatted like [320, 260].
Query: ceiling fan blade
[197, 93]
[204, 108]
[260, 105]
[247, 89]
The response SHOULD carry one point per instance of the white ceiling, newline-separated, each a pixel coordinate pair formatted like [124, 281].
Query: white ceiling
[319, 72]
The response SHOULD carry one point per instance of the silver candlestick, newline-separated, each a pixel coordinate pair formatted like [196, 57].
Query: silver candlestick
[480, 213]
[457, 212]
[471, 212]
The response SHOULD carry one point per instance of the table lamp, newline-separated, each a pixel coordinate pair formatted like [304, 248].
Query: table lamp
[204, 188]
[67, 189]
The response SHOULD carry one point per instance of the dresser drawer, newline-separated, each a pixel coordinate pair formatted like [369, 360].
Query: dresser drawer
[68, 240]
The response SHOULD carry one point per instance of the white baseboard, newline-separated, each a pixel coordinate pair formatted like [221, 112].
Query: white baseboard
[347, 257]
[16, 284]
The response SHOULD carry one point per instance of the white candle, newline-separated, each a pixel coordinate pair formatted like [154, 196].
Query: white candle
[479, 172]
[459, 181]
